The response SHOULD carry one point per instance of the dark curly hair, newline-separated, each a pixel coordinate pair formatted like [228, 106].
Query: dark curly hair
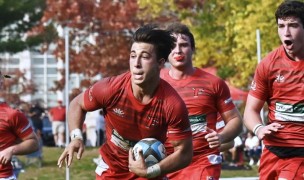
[161, 39]
[290, 8]
[179, 28]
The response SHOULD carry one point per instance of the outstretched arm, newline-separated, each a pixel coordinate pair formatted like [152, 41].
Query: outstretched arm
[28, 145]
[76, 116]
[232, 129]
[253, 120]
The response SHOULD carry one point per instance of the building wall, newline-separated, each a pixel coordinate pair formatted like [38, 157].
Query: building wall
[43, 70]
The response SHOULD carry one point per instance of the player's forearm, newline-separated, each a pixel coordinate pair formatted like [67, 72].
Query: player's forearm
[25, 147]
[181, 157]
[76, 114]
[226, 146]
[232, 129]
[252, 118]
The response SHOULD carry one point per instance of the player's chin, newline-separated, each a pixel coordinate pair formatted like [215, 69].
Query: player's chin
[138, 82]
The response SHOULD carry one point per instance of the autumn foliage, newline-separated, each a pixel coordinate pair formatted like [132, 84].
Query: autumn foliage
[99, 34]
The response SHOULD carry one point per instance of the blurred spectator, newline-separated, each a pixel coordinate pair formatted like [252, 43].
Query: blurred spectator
[90, 122]
[100, 131]
[35, 115]
[252, 148]
[237, 152]
[37, 155]
[100, 128]
[57, 117]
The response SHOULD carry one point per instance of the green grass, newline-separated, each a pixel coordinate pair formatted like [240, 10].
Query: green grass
[84, 169]
[80, 169]
[240, 173]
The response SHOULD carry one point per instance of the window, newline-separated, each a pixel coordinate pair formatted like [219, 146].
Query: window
[37, 70]
[13, 61]
[37, 61]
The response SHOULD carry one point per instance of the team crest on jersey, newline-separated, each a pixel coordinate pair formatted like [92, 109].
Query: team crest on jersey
[152, 121]
[118, 112]
[253, 85]
[197, 91]
[90, 94]
[210, 178]
[280, 78]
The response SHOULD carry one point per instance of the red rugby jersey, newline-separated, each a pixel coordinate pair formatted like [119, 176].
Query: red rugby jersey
[58, 113]
[205, 95]
[128, 121]
[280, 82]
[13, 126]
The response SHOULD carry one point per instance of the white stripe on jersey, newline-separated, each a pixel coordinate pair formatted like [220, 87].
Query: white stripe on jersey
[25, 128]
[298, 117]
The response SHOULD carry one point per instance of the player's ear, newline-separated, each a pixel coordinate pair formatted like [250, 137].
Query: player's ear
[161, 62]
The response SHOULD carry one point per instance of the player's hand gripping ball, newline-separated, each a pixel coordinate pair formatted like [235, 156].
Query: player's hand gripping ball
[153, 150]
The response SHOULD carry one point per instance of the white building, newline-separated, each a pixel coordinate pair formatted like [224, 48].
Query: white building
[42, 69]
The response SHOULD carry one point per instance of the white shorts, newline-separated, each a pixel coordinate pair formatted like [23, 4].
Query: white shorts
[13, 177]
[58, 127]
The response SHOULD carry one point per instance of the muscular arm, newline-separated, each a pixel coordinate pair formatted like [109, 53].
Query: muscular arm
[233, 125]
[76, 113]
[252, 118]
[76, 116]
[226, 146]
[28, 145]
[180, 158]
[252, 112]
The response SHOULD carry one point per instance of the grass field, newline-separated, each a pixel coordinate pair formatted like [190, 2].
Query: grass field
[84, 169]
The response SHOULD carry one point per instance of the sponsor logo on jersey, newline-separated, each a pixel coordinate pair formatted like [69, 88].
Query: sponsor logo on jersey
[198, 123]
[253, 85]
[121, 142]
[280, 78]
[284, 107]
[289, 112]
[90, 94]
[118, 112]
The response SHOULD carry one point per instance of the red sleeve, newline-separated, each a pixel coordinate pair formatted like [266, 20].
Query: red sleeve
[101, 94]
[224, 101]
[259, 83]
[21, 125]
[179, 125]
[96, 96]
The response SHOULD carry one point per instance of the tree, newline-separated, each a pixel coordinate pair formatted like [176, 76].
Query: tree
[109, 23]
[229, 40]
[18, 17]
[100, 35]
[225, 33]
